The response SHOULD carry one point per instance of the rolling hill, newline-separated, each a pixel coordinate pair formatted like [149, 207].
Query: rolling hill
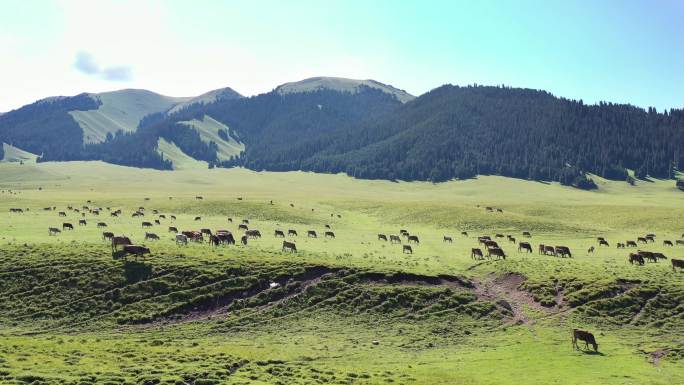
[363, 128]
[121, 110]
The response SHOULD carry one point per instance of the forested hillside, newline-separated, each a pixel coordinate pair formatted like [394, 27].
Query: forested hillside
[368, 132]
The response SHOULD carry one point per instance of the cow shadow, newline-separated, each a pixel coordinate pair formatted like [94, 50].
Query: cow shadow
[135, 271]
[593, 353]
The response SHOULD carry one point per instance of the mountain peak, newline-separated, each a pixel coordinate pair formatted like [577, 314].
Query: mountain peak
[341, 84]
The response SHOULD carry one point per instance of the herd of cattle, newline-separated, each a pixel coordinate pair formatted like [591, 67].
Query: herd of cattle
[492, 249]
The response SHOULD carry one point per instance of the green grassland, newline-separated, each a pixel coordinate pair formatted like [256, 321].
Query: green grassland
[17, 155]
[121, 110]
[348, 310]
[208, 129]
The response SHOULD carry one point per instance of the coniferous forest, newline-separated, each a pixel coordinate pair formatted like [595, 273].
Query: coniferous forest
[449, 132]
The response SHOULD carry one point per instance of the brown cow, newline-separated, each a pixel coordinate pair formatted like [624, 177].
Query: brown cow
[53, 231]
[491, 244]
[464, 233]
[329, 234]
[243, 227]
[279, 234]
[631, 244]
[289, 246]
[677, 263]
[120, 240]
[101, 224]
[549, 250]
[151, 236]
[292, 233]
[476, 253]
[542, 248]
[527, 234]
[214, 240]
[136, 250]
[447, 239]
[198, 218]
[407, 249]
[311, 234]
[205, 231]
[414, 239]
[525, 246]
[62, 214]
[585, 337]
[82, 222]
[642, 240]
[146, 224]
[243, 240]
[395, 238]
[667, 243]
[636, 258]
[253, 234]
[173, 229]
[604, 243]
[68, 226]
[563, 251]
[680, 242]
[382, 237]
[496, 252]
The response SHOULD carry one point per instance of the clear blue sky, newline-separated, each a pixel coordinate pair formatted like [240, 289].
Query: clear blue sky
[620, 51]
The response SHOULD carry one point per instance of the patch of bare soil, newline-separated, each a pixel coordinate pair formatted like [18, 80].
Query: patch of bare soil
[654, 357]
[505, 291]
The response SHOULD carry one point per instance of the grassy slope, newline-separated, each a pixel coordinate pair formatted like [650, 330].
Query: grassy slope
[121, 110]
[208, 129]
[14, 154]
[341, 84]
[305, 340]
[180, 160]
[206, 98]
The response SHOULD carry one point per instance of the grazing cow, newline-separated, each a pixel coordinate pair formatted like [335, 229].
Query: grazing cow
[82, 222]
[491, 244]
[599, 239]
[549, 250]
[101, 224]
[114, 214]
[489, 209]
[199, 197]
[650, 238]
[499, 235]
[329, 234]
[447, 239]
[496, 252]
[382, 237]
[680, 242]
[499, 210]
[243, 240]
[206, 231]
[289, 246]
[107, 235]
[604, 243]
[162, 216]
[173, 217]
[243, 227]
[62, 214]
[636, 258]
[525, 246]
[172, 229]
[226, 237]
[214, 240]
[631, 244]
[67, 226]
[292, 233]
[395, 238]
[254, 234]
[476, 253]
[414, 239]
[563, 251]
[230, 220]
[136, 250]
[585, 337]
[667, 243]
[181, 239]
[156, 222]
[120, 240]
[642, 240]
[146, 224]
[245, 221]
[53, 231]
[327, 226]
[407, 249]
[527, 234]
[198, 218]
[677, 263]
[620, 245]
[591, 249]
[151, 236]
[511, 239]
[311, 234]
[279, 234]
[464, 233]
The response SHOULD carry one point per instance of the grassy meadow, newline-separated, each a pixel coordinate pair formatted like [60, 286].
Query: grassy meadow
[348, 310]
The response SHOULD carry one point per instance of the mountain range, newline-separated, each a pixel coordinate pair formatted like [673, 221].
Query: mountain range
[364, 128]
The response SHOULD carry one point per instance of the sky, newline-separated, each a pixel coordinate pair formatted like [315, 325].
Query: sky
[621, 51]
